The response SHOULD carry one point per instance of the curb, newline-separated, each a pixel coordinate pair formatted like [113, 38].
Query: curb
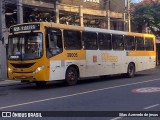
[8, 82]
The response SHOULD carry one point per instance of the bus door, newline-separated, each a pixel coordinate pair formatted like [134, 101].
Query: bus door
[53, 48]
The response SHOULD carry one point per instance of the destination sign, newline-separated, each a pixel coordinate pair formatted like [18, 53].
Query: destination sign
[27, 27]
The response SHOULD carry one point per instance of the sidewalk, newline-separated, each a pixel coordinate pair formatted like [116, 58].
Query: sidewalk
[8, 82]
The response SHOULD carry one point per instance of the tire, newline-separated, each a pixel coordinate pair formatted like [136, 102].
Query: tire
[41, 83]
[71, 76]
[131, 70]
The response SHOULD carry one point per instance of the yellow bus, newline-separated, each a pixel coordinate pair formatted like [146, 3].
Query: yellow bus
[43, 51]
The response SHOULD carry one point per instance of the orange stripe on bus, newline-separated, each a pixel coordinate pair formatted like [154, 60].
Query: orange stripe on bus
[141, 53]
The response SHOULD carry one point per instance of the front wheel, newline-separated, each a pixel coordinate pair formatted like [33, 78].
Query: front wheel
[71, 76]
[131, 70]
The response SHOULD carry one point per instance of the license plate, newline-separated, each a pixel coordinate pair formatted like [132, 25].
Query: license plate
[22, 77]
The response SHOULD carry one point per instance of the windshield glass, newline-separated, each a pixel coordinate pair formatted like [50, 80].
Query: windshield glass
[25, 46]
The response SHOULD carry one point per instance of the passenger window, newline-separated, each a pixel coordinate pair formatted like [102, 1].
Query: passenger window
[72, 40]
[129, 43]
[139, 43]
[53, 42]
[104, 41]
[89, 40]
[149, 44]
[117, 42]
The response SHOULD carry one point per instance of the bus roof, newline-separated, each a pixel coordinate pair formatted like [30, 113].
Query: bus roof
[73, 27]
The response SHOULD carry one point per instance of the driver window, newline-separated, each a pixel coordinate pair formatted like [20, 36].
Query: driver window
[53, 42]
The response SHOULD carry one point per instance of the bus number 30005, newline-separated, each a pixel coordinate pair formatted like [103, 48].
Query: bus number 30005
[72, 55]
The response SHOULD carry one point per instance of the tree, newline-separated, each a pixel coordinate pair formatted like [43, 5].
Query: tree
[147, 13]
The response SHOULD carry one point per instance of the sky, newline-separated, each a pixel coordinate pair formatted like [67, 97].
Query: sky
[136, 1]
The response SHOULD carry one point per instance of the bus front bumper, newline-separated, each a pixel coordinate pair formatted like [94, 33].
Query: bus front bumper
[32, 77]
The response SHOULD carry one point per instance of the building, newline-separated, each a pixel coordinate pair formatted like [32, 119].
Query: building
[92, 13]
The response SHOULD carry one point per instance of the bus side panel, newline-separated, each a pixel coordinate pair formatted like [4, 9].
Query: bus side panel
[80, 65]
[56, 69]
[143, 59]
[117, 62]
[101, 62]
[92, 63]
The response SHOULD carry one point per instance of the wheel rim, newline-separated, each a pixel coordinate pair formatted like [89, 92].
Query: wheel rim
[71, 76]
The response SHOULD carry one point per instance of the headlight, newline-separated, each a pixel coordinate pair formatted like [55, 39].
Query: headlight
[38, 69]
[10, 70]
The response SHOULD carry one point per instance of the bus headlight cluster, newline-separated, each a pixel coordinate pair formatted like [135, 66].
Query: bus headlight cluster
[38, 69]
[10, 70]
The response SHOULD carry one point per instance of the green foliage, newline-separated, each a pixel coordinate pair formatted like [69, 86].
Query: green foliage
[147, 14]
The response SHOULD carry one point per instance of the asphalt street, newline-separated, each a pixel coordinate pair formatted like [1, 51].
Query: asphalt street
[110, 94]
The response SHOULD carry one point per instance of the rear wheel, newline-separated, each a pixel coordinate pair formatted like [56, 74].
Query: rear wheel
[71, 76]
[131, 70]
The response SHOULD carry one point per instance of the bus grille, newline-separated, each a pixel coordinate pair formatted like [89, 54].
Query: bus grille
[24, 65]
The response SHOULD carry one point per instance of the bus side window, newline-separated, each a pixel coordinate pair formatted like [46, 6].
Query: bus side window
[117, 42]
[72, 40]
[89, 40]
[149, 44]
[104, 41]
[53, 42]
[139, 43]
[129, 42]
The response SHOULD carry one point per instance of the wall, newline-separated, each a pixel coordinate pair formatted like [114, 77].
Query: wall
[92, 4]
[117, 5]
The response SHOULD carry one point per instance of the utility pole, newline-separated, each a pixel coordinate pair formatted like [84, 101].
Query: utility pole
[2, 11]
[19, 11]
[125, 16]
[124, 21]
[56, 9]
[109, 21]
[127, 22]
[129, 17]
[81, 15]
[3, 64]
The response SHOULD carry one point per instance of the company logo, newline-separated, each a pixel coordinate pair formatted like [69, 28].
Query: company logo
[20, 115]
[109, 58]
[6, 114]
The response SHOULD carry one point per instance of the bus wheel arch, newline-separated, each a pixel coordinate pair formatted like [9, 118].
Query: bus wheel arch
[72, 75]
[131, 69]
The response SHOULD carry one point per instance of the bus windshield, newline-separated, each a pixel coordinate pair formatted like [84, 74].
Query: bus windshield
[26, 46]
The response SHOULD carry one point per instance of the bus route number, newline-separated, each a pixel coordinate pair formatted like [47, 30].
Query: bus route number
[72, 55]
